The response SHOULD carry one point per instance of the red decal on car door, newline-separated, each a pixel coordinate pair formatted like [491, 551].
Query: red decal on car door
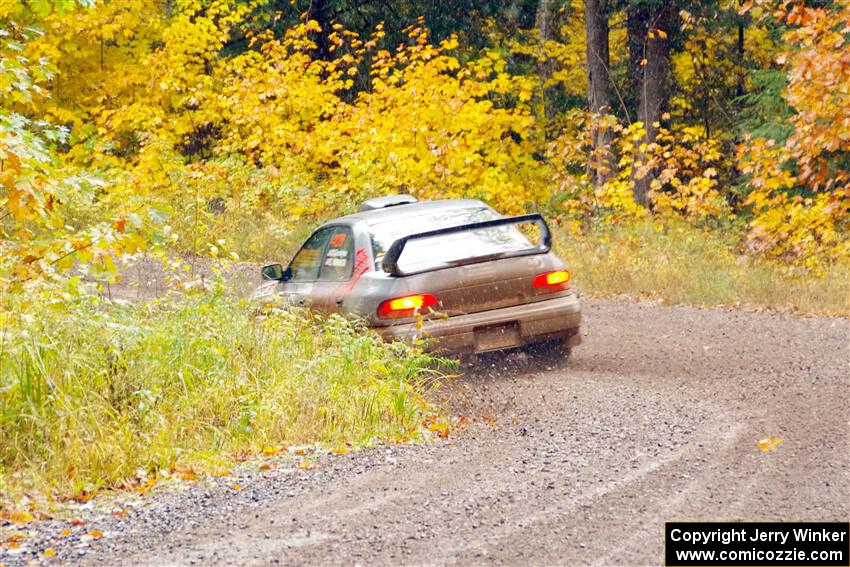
[361, 266]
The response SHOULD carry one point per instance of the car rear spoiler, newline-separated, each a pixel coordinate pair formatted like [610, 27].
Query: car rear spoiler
[390, 261]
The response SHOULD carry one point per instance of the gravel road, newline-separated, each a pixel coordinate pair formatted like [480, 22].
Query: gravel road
[655, 418]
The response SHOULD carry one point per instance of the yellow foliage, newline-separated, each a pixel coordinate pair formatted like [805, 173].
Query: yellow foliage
[429, 126]
[180, 129]
[687, 182]
[684, 164]
[808, 230]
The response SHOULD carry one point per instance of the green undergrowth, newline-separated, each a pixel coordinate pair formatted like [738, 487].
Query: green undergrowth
[92, 393]
[681, 264]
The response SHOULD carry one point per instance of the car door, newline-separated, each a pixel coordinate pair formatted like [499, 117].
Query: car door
[306, 266]
[336, 271]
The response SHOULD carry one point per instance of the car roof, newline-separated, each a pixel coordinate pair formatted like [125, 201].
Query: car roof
[395, 212]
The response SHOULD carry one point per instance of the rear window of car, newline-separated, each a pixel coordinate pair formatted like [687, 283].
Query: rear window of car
[425, 253]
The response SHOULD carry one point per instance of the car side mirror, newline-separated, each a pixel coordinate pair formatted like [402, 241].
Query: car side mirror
[275, 272]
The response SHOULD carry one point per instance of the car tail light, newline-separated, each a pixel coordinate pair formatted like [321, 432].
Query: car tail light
[406, 306]
[552, 281]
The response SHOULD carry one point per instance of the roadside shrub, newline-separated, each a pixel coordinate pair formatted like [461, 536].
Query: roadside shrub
[97, 395]
[675, 262]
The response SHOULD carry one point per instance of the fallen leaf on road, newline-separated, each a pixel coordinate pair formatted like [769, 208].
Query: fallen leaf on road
[187, 474]
[236, 487]
[21, 518]
[305, 464]
[65, 533]
[78, 522]
[440, 429]
[265, 467]
[82, 497]
[769, 444]
[340, 451]
[49, 552]
[96, 534]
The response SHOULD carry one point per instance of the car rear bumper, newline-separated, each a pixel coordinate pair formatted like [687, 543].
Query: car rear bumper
[532, 322]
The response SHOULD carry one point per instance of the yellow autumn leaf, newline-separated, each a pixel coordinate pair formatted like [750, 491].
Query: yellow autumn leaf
[441, 429]
[49, 552]
[21, 517]
[187, 474]
[769, 444]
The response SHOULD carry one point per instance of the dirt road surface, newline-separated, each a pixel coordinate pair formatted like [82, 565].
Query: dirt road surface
[655, 418]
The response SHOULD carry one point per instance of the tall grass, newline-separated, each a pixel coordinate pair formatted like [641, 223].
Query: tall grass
[91, 394]
[677, 263]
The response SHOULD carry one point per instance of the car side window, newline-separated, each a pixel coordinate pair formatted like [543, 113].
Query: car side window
[308, 261]
[338, 261]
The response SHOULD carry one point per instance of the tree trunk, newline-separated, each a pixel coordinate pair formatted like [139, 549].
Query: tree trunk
[547, 22]
[598, 81]
[742, 74]
[322, 12]
[637, 18]
[655, 81]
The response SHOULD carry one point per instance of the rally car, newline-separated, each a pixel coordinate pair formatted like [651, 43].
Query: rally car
[454, 272]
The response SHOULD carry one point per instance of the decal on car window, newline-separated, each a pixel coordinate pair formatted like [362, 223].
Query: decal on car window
[338, 253]
[338, 240]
